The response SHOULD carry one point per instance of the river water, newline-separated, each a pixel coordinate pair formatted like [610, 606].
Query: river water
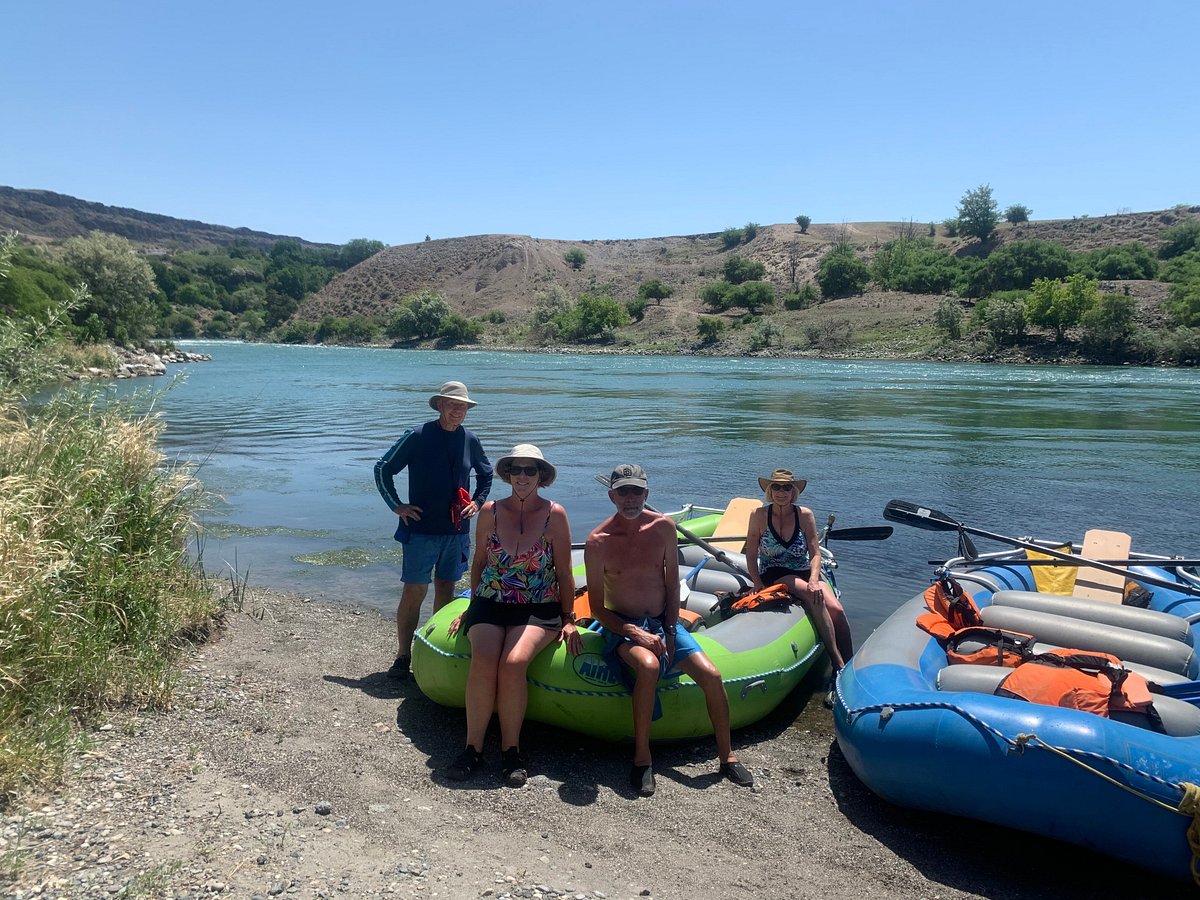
[285, 437]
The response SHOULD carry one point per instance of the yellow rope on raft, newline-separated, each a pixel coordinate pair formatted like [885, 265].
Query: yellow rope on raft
[1189, 805]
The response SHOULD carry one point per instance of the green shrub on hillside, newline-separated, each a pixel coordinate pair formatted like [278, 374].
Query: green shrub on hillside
[834, 334]
[351, 330]
[738, 269]
[456, 329]
[804, 222]
[731, 237]
[716, 295]
[1183, 301]
[1108, 326]
[1131, 260]
[1017, 213]
[709, 328]
[35, 284]
[418, 316]
[636, 308]
[1061, 304]
[1003, 317]
[1016, 266]
[1179, 239]
[120, 286]
[591, 317]
[841, 273]
[977, 213]
[948, 318]
[915, 265]
[805, 297]
[575, 258]
[655, 290]
[297, 332]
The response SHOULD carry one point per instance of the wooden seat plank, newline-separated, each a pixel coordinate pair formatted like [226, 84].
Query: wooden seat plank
[1096, 584]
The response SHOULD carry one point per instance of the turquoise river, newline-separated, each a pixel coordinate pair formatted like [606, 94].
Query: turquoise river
[284, 438]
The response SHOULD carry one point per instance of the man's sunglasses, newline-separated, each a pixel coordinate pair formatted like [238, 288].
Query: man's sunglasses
[630, 490]
[523, 470]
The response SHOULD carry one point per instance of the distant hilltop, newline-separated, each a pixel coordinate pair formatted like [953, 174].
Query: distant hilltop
[46, 214]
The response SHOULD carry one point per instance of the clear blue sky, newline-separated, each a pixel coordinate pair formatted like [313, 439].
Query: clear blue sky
[598, 118]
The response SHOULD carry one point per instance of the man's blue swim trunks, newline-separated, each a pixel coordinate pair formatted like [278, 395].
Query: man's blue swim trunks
[685, 646]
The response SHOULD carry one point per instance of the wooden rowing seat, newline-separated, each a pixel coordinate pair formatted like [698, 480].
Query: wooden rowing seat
[735, 522]
[1096, 584]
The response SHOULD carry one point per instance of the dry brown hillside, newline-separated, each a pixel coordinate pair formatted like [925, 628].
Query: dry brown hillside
[504, 272]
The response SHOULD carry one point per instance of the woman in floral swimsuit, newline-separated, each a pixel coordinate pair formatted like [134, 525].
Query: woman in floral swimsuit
[522, 600]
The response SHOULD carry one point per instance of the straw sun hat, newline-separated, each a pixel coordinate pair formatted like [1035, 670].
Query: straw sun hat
[527, 451]
[782, 476]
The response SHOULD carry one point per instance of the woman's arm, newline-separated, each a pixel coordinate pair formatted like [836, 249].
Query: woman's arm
[754, 534]
[560, 548]
[808, 525]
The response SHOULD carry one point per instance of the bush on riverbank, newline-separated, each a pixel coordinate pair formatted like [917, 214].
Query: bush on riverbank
[97, 588]
[97, 591]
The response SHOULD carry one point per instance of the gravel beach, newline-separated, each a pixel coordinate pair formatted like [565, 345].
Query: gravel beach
[291, 766]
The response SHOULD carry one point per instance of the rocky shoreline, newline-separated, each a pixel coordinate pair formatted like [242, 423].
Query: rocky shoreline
[290, 766]
[139, 363]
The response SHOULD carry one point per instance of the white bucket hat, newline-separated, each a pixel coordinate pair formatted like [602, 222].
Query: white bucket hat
[527, 451]
[452, 390]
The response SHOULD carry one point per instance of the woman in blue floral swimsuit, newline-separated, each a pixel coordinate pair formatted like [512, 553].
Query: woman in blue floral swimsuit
[782, 548]
[522, 600]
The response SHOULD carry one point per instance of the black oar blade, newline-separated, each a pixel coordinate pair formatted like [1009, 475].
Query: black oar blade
[919, 516]
[869, 533]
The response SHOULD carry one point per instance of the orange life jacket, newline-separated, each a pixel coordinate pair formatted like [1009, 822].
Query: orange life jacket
[1079, 679]
[950, 608]
[772, 595]
[984, 645]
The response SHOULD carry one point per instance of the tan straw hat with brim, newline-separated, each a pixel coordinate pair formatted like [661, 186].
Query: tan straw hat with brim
[452, 390]
[526, 451]
[782, 476]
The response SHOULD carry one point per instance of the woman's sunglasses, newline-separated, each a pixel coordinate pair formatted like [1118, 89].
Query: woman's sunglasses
[781, 487]
[523, 470]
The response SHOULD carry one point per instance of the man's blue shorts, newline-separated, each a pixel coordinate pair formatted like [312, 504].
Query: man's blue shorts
[685, 644]
[445, 555]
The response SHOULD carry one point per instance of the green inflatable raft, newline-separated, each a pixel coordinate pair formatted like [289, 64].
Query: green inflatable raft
[762, 655]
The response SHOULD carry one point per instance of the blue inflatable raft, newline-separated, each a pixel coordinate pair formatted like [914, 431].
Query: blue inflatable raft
[925, 734]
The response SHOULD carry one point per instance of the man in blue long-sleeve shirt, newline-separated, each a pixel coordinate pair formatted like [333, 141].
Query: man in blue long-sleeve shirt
[435, 525]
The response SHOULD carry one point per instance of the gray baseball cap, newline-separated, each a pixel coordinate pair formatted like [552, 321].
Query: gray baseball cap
[627, 473]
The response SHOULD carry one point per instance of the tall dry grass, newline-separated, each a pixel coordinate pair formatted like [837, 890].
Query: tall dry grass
[97, 591]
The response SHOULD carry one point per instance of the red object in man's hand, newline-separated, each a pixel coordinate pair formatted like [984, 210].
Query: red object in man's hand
[457, 507]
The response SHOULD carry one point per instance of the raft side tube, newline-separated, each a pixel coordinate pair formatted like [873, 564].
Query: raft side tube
[1136, 646]
[1147, 620]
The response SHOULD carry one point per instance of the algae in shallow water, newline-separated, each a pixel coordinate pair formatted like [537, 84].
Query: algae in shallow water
[229, 530]
[349, 557]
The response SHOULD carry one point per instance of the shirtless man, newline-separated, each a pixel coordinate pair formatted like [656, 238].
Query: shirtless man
[633, 587]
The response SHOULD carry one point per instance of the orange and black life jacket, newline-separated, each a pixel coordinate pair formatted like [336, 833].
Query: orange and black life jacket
[771, 597]
[1079, 679]
[950, 608]
[988, 646]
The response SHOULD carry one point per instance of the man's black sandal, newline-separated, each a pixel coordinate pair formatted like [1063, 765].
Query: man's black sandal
[641, 779]
[737, 773]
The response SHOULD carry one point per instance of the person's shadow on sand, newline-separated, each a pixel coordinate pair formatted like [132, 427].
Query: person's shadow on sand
[377, 684]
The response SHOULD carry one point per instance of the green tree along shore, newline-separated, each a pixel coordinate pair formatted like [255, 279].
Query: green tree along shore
[97, 591]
